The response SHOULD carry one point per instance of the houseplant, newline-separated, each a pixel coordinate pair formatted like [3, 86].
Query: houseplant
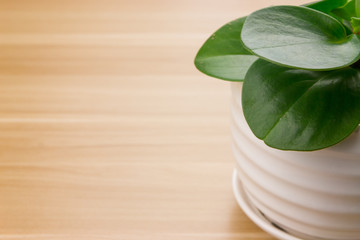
[300, 68]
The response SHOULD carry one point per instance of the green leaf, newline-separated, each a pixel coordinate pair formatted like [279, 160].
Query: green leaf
[299, 37]
[357, 8]
[223, 54]
[326, 6]
[347, 11]
[294, 109]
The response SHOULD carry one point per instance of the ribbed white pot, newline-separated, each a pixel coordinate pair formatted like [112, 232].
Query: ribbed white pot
[312, 195]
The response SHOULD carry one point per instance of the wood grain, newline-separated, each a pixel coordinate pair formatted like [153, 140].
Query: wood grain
[107, 131]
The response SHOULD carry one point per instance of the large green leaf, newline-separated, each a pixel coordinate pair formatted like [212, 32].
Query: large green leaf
[294, 109]
[223, 55]
[300, 37]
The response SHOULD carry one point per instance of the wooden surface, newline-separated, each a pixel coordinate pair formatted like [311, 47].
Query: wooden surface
[107, 131]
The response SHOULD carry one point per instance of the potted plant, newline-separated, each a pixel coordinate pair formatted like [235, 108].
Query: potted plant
[295, 73]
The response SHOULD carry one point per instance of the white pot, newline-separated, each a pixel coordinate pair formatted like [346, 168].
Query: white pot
[312, 195]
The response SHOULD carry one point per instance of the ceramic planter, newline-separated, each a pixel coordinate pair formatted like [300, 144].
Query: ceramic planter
[304, 195]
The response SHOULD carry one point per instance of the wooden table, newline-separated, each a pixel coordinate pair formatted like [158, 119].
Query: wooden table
[107, 131]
